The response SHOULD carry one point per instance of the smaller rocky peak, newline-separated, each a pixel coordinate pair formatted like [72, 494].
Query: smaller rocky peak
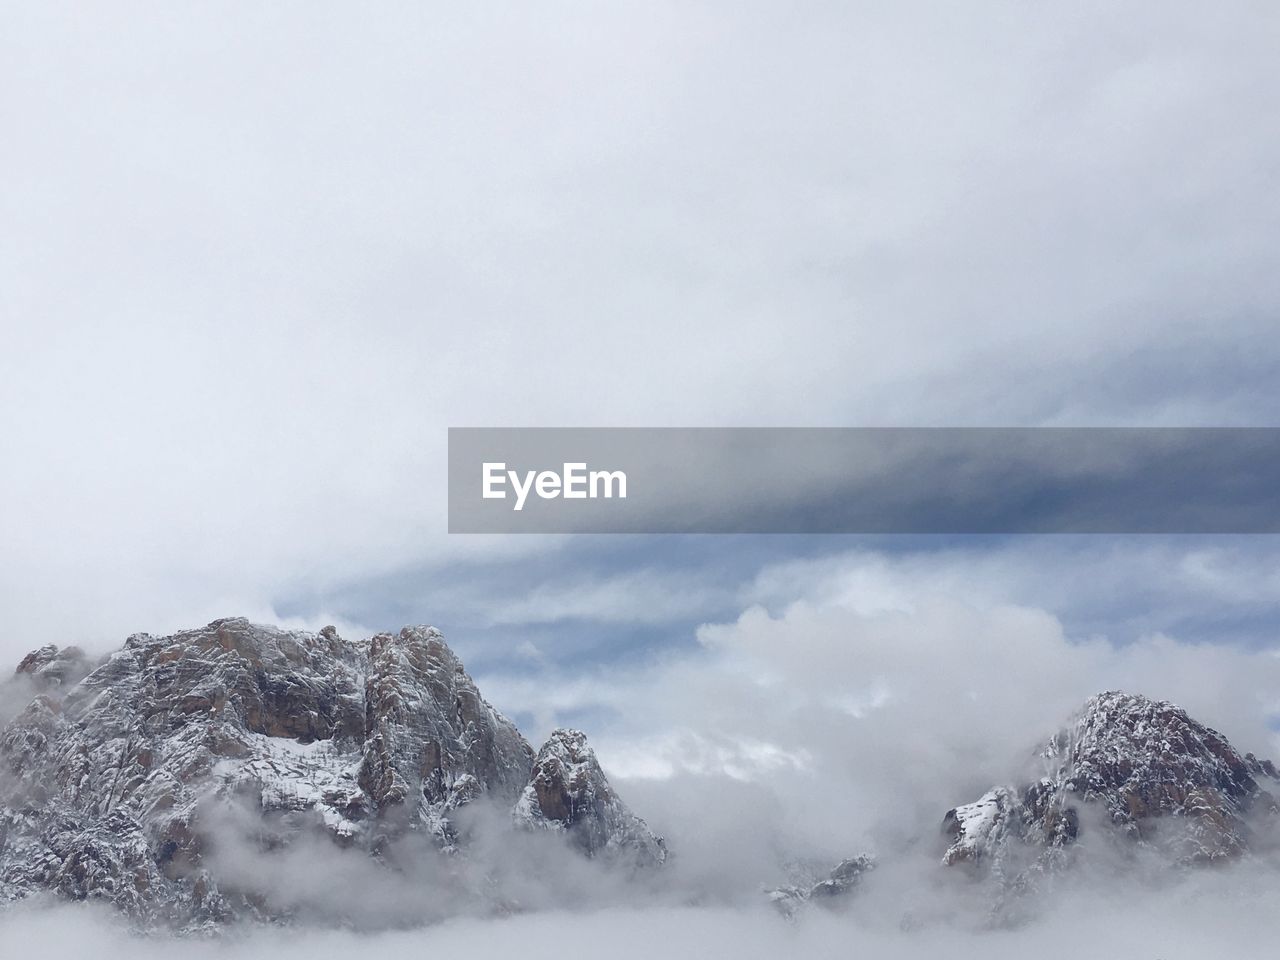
[51, 666]
[567, 781]
[844, 877]
[1261, 768]
[569, 792]
[421, 633]
[565, 773]
[427, 728]
[331, 642]
[807, 883]
[1153, 774]
[36, 659]
[419, 647]
[414, 635]
[980, 831]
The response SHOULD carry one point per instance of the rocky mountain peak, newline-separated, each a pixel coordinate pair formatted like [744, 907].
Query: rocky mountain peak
[568, 792]
[51, 666]
[829, 888]
[430, 736]
[111, 782]
[1149, 772]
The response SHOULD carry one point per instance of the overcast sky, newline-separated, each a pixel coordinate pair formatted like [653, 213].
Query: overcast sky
[256, 261]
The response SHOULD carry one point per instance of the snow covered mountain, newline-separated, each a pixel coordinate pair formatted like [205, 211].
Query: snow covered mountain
[113, 776]
[1131, 770]
[127, 780]
[567, 791]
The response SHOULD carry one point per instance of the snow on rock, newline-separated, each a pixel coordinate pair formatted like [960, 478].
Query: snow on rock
[568, 791]
[53, 667]
[117, 780]
[1143, 770]
[983, 825]
[831, 890]
[432, 742]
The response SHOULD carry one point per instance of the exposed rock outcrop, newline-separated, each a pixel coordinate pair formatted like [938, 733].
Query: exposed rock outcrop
[116, 783]
[1141, 770]
[831, 890]
[568, 792]
[432, 742]
[51, 666]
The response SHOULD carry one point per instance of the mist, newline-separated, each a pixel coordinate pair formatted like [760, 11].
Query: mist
[832, 726]
[259, 257]
[1225, 915]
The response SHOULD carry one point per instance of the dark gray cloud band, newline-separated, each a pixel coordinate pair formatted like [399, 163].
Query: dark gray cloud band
[865, 480]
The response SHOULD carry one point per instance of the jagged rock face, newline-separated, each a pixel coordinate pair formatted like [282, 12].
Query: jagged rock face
[432, 740]
[111, 773]
[1156, 775]
[568, 791]
[111, 788]
[53, 667]
[831, 890]
[845, 877]
[980, 828]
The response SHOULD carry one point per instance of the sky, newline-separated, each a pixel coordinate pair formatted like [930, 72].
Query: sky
[257, 260]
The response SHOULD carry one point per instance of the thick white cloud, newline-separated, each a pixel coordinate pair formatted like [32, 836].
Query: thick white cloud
[1182, 925]
[256, 260]
[884, 690]
[823, 729]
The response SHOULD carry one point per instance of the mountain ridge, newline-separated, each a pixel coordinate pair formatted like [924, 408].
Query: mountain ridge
[1129, 769]
[109, 779]
[126, 779]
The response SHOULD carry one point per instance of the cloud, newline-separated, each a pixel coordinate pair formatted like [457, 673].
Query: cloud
[290, 864]
[640, 596]
[873, 692]
[892, 689]
[1174, 925]
[258, 263]
[1213, 589]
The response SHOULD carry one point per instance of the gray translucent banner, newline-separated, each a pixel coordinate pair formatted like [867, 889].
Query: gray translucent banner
[864, 480]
